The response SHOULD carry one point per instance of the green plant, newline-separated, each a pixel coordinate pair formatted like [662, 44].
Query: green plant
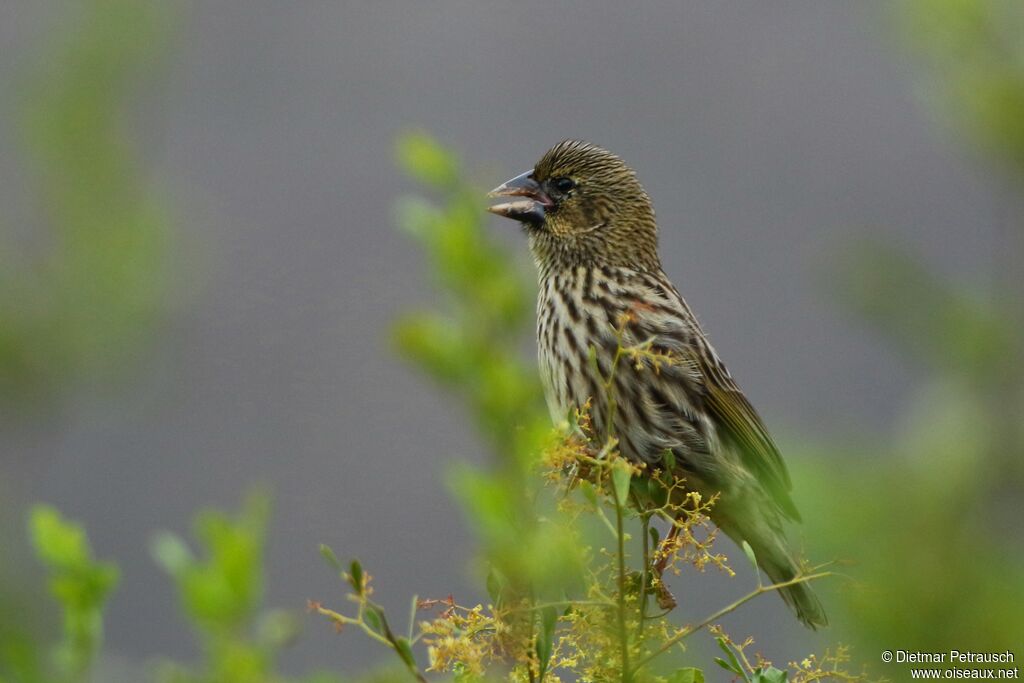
[928, 514]
[221, 594]
[74, 304]
[81, 586]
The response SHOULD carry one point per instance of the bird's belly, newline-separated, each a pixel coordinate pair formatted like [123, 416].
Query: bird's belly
[568, 376]
[576, 355]
[565, 341]
[650, 410]
[551, 377]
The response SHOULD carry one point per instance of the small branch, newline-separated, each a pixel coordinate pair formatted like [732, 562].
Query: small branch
[340, 621]
[690, 630]
[388, 638]
[607, 522]
[645, 569]
[623, 634]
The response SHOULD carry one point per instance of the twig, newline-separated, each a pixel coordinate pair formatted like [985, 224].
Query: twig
[687, 631]
[623, 634]
[645, 568]
[387, 637]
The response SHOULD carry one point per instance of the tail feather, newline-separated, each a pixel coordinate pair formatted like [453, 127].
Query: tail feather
[779, 565]
[743, 520]
[803, 601]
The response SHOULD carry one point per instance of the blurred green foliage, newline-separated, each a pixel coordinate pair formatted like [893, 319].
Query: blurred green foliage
[977, 56]
[77, 302]
[221, 594]
[943, 328]
[222, 591]
[929, 516]
[473, 344]
[81, 585]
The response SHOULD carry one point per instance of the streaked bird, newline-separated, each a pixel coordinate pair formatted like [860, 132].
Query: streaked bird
[593, 234]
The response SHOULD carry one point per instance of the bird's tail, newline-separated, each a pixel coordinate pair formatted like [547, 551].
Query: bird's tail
[800, 597]
[777, 562]
[774, 557]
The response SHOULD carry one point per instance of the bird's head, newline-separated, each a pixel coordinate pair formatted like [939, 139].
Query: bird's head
[582, 205]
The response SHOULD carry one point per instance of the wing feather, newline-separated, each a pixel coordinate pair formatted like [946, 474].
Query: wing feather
[672, 325]
[742, 425]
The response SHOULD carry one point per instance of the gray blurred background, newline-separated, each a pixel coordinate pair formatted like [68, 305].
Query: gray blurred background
[765, 133]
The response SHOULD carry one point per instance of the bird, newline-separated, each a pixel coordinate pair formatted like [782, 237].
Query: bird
[593, 235]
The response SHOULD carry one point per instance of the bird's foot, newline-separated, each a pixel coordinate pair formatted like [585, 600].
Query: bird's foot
[663, 595]
[664, 555]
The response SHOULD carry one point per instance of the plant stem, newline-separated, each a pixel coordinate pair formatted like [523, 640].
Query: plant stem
[386, 638]
[645, 529]
[687, 631]
[623, 635]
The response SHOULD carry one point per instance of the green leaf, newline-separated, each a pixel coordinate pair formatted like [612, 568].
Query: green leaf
[417, 217]
[546, 637]
[670, 460]
[80, 584]
[59, 543]
[769, 675]
[497, 584]
[332, 559]
[687, 675]
[588, 491]
[221, 588]
[414, 606]
[171, 553]
[355, 577]
[749, 552]
[726, 665]
[656, 492]
[621, 474]
[277, 628]
[734, 663]
[572, 419]
[427, 161]
[404, 650]
[655, 539]
[374, 619]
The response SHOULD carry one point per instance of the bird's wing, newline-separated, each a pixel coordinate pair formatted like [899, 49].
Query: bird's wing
[741, 425]
[674, 327]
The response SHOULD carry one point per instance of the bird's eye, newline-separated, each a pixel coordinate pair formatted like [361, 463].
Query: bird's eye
[563, 184]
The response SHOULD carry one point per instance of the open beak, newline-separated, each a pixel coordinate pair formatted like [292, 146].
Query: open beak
[530, 209]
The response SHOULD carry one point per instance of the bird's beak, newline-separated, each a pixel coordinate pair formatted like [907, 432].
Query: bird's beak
[531, 209]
